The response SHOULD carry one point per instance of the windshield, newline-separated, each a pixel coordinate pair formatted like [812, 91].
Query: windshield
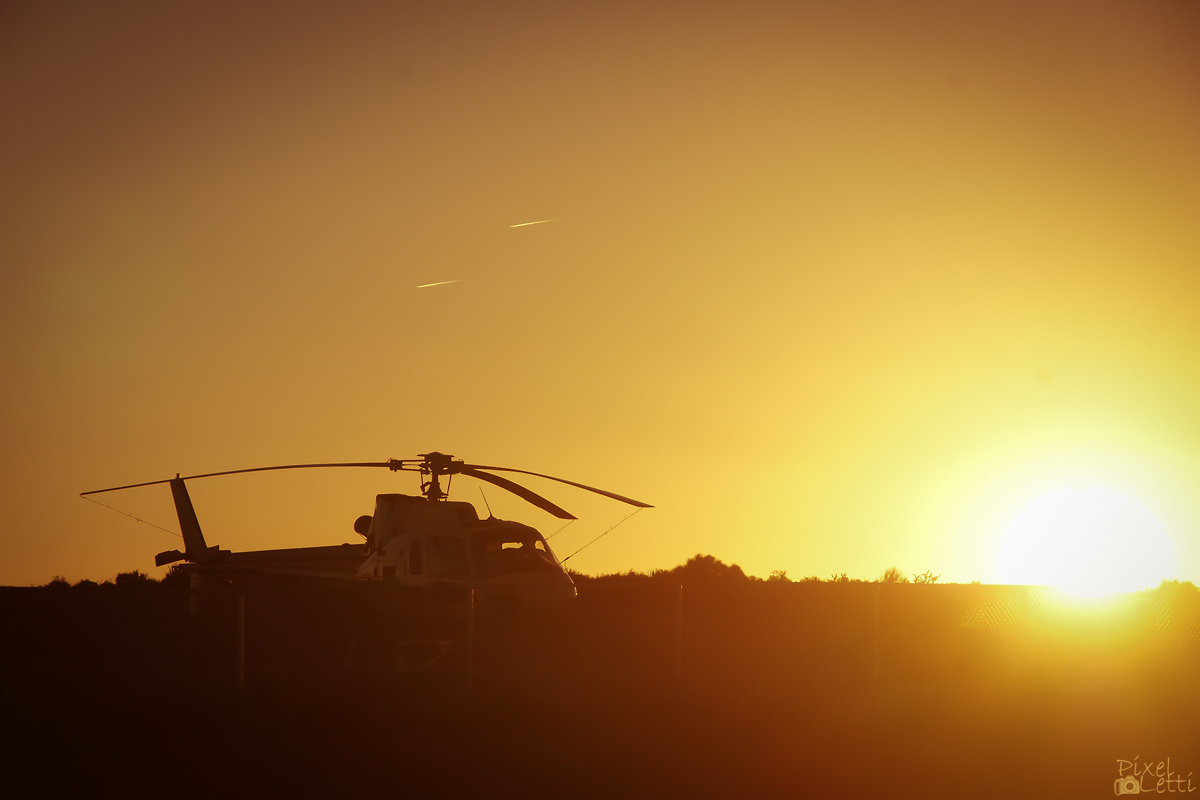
[506, 552]
[448, 557]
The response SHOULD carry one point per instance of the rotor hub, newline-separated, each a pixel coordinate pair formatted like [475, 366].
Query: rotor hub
[433, 467]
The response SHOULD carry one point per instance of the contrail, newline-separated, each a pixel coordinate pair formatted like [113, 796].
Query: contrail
[535, 222]
[439, 283]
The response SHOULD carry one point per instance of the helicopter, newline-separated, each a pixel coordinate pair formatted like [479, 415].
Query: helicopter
[414, 541]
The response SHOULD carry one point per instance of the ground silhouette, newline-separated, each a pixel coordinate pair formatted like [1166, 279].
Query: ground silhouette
[733, 687]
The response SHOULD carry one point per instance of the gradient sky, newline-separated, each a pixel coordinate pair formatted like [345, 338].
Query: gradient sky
[835, 286]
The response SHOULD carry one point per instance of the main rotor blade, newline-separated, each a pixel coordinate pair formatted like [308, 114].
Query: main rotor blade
[240, 471]
[631, 502]
[518, 490]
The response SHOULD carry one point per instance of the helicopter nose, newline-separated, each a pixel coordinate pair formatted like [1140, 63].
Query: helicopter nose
[530, 591]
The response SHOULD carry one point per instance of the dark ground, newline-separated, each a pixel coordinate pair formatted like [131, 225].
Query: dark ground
[786, 690]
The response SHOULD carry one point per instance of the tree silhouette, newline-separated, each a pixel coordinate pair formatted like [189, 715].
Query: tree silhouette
[703, 569]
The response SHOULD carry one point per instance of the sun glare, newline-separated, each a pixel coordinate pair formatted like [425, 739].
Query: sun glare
[1088, 541]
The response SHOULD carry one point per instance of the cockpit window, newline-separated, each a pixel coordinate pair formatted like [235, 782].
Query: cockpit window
[512, 551]
[448, 557]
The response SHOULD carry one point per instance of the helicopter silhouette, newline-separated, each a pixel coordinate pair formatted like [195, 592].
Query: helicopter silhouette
[411, 541]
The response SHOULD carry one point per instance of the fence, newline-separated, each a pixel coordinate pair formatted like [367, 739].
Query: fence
[763, 633]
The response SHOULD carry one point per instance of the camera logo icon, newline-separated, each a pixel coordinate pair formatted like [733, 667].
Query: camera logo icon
[1126, 785]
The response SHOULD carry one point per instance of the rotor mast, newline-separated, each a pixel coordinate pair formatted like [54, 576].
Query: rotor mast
[434, 465]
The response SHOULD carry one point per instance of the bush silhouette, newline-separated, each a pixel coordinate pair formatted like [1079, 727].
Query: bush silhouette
[709, 569]
[176, 578]
[697, 569]
[135, 580]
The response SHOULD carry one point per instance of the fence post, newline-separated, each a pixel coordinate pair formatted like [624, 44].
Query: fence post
[875, 642]
[679, 634]
[470, 648]
[241, 641]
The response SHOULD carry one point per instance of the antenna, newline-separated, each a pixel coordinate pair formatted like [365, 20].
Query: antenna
[485, 502]
[560, 530]
[598, 538]
[131, 516]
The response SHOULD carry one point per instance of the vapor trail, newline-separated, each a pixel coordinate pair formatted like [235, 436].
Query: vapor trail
[439, 283]
[535, 222]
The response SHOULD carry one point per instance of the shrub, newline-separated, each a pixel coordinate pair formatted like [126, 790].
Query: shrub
[697, 569]
[176, 578]
[893, 575]
[134, 580]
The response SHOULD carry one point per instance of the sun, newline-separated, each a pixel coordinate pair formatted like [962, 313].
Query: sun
[1088, 541]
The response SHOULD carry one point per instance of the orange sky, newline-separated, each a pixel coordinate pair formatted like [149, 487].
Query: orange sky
[834, 286]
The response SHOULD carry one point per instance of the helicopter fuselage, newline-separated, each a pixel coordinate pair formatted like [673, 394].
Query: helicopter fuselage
[416, 542]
